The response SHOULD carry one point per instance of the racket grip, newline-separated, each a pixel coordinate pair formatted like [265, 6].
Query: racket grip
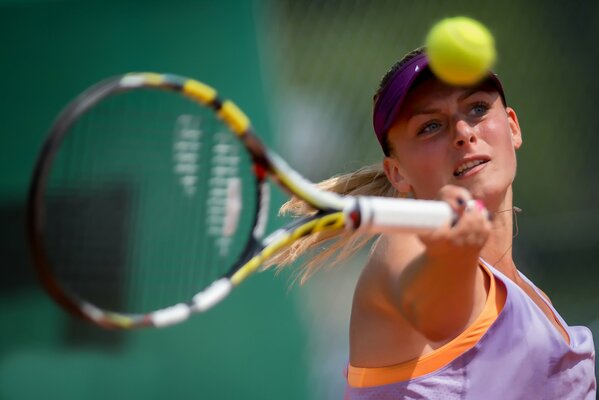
[385, 214]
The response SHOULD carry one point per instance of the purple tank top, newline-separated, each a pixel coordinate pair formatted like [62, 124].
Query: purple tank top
[521, 356]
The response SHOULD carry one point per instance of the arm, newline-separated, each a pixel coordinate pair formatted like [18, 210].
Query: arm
[434, 281]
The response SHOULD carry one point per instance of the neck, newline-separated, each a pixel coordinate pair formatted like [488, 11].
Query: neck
[498, 249]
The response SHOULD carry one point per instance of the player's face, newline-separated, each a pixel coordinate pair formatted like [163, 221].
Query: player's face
[452, 135]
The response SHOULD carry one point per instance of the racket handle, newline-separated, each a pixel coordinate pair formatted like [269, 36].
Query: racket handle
[384, 214]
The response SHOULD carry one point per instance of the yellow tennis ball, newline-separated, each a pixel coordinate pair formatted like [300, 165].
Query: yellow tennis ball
[460, 50]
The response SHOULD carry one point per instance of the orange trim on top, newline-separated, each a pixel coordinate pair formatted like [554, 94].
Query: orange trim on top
[366, 377]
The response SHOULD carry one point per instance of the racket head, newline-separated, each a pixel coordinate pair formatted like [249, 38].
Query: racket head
[148, 189]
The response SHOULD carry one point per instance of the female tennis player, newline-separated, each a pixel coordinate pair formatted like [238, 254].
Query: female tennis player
[447, 315]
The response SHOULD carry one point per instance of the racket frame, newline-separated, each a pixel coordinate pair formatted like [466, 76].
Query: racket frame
[333, 212]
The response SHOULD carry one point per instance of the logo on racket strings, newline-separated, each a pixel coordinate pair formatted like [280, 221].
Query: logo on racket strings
[223, 202]
[224, 194]
[186, 148]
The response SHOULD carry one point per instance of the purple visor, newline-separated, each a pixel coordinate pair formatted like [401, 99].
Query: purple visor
[391, 98]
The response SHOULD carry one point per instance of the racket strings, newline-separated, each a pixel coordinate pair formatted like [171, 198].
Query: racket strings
[148, 187]
[82, 224]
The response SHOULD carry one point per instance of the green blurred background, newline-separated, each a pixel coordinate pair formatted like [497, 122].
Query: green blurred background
[305, 71]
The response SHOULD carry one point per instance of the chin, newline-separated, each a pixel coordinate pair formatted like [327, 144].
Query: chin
[492, 195]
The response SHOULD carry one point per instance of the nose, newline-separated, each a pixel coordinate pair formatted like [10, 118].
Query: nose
[464, 133]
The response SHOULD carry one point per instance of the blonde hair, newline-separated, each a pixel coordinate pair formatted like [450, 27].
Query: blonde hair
[366, 181]
[332, 248]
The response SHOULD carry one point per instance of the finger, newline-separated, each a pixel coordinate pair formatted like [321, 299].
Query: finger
[473, 224]
[454, 195]
[475, 205]
[457, 198]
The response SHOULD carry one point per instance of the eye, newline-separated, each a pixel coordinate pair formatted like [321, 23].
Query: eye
[479, 108]
[429, 127]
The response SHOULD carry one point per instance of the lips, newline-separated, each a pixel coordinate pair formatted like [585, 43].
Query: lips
[468, 165]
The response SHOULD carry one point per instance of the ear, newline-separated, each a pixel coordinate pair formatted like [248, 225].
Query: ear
[514, 127]
[395, 176]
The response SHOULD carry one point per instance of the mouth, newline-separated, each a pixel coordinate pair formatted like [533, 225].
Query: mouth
[467, 166]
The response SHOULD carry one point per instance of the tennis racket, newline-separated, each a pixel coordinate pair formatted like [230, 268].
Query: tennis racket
[150, 197]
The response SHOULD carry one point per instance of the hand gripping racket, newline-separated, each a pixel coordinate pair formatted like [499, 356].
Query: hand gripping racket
[149, 203]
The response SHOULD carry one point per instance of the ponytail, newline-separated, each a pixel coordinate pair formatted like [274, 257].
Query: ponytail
[328, 247]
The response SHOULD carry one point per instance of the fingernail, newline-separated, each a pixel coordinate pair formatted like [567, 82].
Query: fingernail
[471, 205]
[480, 206]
